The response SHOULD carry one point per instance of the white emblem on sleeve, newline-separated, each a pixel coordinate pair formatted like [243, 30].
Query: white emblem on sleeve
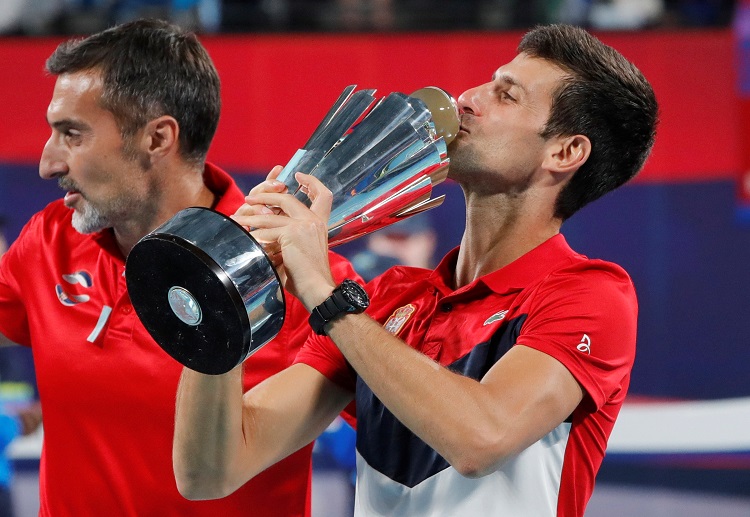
[585, 344]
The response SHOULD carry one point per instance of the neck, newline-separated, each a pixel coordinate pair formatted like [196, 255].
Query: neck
[177, 191]
[499, 230]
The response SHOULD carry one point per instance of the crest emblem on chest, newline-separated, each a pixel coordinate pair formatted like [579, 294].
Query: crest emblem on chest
[80, 278]
[399, 318]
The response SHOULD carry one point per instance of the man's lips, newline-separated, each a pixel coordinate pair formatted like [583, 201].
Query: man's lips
[72, 194]
[71, 197]
[465, 121]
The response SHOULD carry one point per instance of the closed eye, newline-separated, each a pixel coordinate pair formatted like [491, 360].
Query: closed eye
[72, 136]
[71, 131]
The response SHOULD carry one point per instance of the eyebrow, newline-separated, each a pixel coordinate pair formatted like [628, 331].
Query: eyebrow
[66, 123]
[508, 79]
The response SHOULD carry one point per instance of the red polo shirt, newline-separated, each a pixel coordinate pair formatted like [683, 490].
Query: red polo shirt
[580, 311]
[108, 391]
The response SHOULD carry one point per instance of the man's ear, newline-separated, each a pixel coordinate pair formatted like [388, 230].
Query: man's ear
[567, 154]
[161, 136]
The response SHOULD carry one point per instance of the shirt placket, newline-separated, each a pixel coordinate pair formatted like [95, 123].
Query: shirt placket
[123, 316]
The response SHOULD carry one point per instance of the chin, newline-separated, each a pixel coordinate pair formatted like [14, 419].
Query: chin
[89, 221]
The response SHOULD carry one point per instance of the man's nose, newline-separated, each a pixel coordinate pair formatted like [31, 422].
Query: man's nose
[52, 163]
[467, 101]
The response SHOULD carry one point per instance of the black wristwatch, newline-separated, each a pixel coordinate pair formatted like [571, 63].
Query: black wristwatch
[348, 298]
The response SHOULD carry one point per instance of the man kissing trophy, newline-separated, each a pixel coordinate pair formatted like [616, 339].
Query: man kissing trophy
[205, 289]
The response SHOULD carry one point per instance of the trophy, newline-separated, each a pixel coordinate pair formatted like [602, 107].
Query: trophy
[205, 289]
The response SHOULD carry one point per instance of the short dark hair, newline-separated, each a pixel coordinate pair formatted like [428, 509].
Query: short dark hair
[150, 68]
[605, 98]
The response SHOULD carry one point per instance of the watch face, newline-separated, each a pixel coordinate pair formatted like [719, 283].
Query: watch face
[355, 294]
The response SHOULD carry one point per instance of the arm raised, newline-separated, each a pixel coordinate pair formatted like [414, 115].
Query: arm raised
[223, 438]
[475, 425]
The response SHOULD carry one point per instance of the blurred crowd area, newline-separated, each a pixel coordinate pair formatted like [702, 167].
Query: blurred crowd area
[65, 17]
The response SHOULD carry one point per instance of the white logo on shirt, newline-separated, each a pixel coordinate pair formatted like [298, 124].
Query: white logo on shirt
[585, 344]
[499, 315]
[82, 278]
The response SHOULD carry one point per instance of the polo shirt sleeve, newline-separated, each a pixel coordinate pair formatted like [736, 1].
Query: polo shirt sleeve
[17, 262]
[585, 316]
[295, 330]
[320, 352]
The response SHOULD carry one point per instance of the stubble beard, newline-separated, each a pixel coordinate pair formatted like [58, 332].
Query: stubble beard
[461, 160]
[468, 170]
[466, 167]
[86, 218]
[89, 220]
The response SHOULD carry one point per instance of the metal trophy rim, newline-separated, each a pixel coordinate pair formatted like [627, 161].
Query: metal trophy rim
[230, 288]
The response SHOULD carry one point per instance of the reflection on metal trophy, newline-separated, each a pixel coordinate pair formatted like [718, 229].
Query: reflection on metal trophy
[205, 289]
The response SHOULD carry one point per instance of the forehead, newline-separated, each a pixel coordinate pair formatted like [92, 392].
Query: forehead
[76, 94]
[534, 76]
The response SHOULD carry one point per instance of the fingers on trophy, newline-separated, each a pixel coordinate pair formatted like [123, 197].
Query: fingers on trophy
[206, 290]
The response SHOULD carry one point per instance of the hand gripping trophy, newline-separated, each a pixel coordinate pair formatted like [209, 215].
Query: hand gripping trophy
[205, 289]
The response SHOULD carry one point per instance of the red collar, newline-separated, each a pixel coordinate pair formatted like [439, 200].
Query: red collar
[548, 256]
[222, 184]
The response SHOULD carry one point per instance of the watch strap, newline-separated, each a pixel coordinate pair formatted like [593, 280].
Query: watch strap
[331, 308]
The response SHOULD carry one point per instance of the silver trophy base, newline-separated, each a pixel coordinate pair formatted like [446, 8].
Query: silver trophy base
[205, 290]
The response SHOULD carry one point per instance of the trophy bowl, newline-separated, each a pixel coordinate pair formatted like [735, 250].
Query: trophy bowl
[204, 288]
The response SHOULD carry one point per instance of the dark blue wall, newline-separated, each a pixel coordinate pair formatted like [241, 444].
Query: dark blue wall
[690, 261]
